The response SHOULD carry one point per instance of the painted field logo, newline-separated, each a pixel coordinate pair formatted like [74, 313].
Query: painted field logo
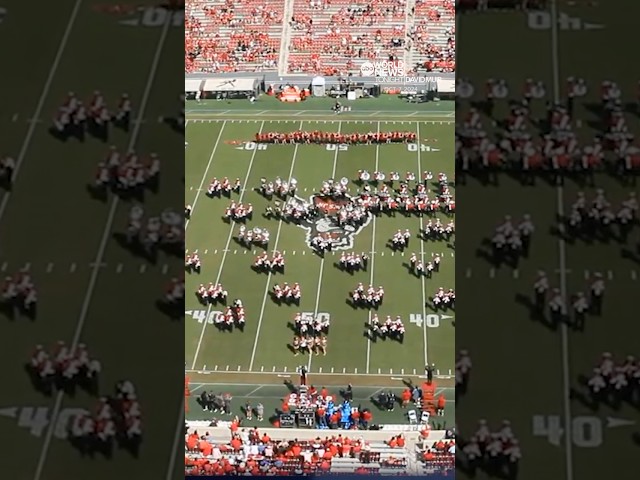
[324, 223]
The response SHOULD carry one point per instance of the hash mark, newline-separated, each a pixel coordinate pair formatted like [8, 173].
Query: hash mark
[143, 268]
[165, 269]
[49, 268]
[492, 273]
[634, 275]
[73, 267]
[119, 268]
[4, 266]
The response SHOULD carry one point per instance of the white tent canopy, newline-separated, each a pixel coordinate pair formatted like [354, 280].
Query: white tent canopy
[222, 84]
[193, 85]
[446, 85]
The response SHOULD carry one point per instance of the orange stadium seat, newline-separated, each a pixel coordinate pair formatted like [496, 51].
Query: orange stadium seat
[325, 37]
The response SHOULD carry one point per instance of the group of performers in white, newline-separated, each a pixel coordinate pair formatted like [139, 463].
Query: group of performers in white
[287, 294]
[192, 262]
[151, 231]
[303, 344]
[444, 299]
[560, 151]
[597, 217]
[353, 262]
[512, 241]
[614, 381]
[266, 263]
[18, 290]
[64, 366]
[218, 188]
[494, 451]
[434, 230]
[238, 212]
[392, 328]
[74, 116]
[370, 297]
[306, 324]
[127, 172]
[418, 267]
[400, 240]
[174, 291]
[233, 316]
[253, 236]
[212, 294]
[382, 196]
[279, 187]
[119, 416]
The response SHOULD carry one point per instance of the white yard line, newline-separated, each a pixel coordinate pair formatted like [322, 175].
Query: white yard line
[206, 172]
[226, 250]
[265, 296]
[322, 260]
[102, 247]
[41, 101]
[562, 255]
[373, 261]
[266, 385]
[422, 281]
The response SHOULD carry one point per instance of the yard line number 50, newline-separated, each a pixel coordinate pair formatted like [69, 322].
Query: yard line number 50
[586, 432]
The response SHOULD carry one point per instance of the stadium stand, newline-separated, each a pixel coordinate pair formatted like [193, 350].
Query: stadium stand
[325, 37]
[233, 450]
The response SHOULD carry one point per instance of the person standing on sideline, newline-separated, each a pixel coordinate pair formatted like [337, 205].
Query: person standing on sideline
[303, 375]
[429, 370]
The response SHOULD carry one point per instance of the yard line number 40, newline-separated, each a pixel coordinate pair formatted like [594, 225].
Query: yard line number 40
[431, 321]
[586, 432]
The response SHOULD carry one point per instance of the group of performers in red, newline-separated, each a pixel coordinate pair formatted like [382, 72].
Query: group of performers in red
[320, 137]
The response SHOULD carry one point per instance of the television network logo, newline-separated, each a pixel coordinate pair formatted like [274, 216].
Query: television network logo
[391, 71]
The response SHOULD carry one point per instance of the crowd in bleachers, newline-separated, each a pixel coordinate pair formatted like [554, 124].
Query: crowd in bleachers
[327, 37]
[247, 451]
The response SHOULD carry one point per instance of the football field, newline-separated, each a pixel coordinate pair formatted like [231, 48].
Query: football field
[222, 147]
[534, 372]
[90, 289]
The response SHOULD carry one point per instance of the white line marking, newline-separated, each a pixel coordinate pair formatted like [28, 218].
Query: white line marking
[4, 266]
[119, 268]
[468, 273]
[102, 247]
[586, 275]
[165, 268]
[206, 171]
[143, 268]
[265, 296]
[423, 286]
[259, 387]
[610, 275]
[27, 267]
[492, 273]
[226, 248]
[73, 267]
[634, 275]
[49, 267]
[32, 126]
[373, 258]
[516, 273]
[566, 376]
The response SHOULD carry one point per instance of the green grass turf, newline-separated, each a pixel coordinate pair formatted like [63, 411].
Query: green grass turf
[262, 347]
[524, 352]
[51, 224]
